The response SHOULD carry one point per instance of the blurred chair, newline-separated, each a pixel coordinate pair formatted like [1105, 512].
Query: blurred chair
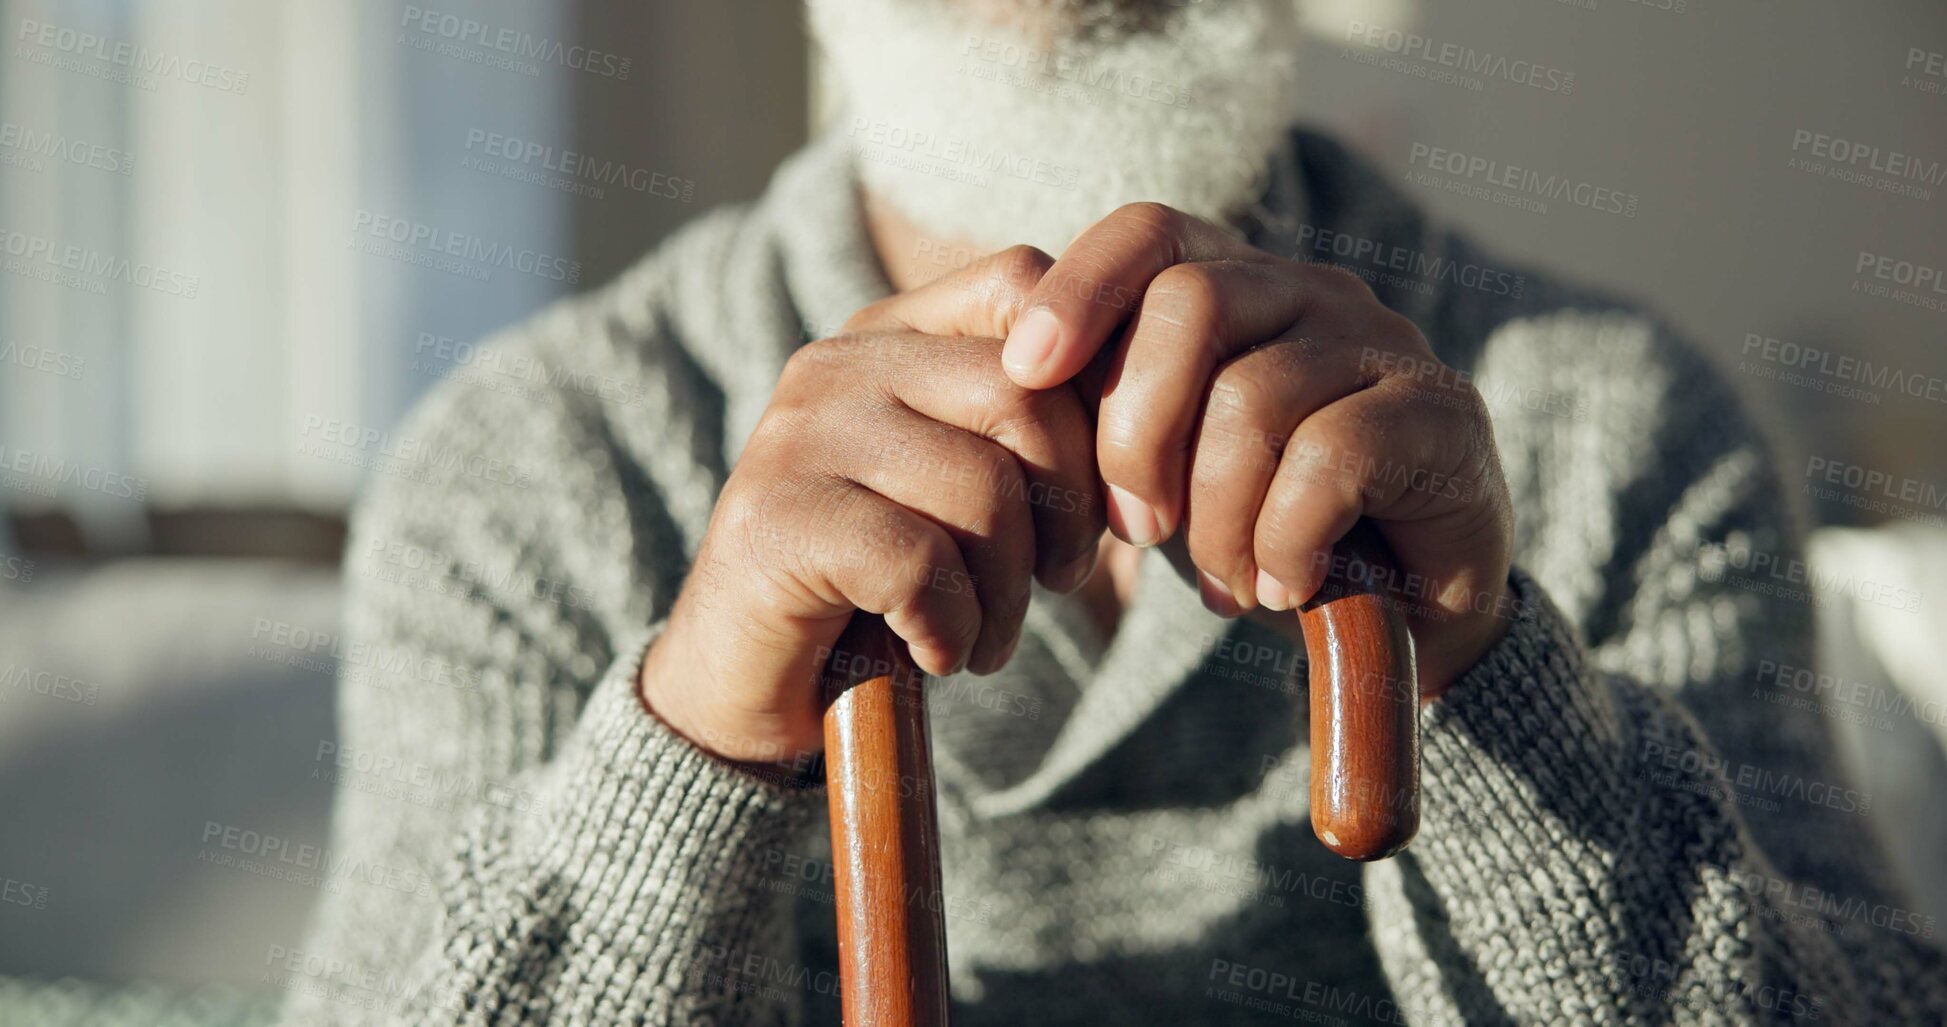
[1885, 667]
[140, 702]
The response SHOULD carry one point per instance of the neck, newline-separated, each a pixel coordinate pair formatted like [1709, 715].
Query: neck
[911, 256]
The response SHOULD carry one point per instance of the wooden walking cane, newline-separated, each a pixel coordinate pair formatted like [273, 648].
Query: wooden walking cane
[885, 833]
[885, 828]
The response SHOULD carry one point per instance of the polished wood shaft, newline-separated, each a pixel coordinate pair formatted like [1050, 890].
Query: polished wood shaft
[885, 833]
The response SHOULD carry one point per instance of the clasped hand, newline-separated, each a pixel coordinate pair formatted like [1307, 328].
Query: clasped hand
[1240, 410]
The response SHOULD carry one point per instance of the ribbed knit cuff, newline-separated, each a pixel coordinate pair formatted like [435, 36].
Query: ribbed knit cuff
[627, 775]
[669, 858]
[1524, 742]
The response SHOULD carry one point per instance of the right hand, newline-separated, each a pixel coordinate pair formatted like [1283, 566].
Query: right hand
[898, 471]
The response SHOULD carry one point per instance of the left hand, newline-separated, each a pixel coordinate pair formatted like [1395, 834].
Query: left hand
[1254, 408]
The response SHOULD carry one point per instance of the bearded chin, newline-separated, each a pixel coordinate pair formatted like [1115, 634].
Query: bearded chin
[976, 134]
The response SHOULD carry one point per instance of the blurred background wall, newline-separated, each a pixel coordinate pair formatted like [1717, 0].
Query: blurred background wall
[205, 337]
[189, 407]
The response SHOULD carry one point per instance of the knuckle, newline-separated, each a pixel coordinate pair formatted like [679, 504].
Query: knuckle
[1189, 298]
[770, 490]
[1316, 463]
[1147, 215]
[773, 542]
[811, 361]
[1306, 453]
[878, 555]
[1122, 442]
[1018, 269]
[1150, 225]
[1238, 397]
[783, 430]
[1296, 504]
[740, 515]
[1143, 454]
[797, 366]
[855, 372]
[775, 587]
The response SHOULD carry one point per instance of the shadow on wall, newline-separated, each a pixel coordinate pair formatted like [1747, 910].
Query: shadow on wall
[715, 100]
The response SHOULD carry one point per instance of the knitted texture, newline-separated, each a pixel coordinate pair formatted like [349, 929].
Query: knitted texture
[1619, 826]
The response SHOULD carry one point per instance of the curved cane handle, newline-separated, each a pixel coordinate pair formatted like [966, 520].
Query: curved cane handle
[885, 833]
[1365, 703]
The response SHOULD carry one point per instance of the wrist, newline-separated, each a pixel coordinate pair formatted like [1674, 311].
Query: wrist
[652, 672]
[674, 687]
[1457, 651]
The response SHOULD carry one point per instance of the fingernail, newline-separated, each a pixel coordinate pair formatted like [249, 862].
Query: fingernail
[1216, 595]
[1030, 343]
[1073, 576]
[1133, 516]
[1271, 592]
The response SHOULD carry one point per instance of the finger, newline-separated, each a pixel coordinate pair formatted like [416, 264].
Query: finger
[1096, 285]
[975, 490]
[1253, 405]
[958, 381]
[1193, 318]
[876, 555]
[981, 299]
[1383, 452]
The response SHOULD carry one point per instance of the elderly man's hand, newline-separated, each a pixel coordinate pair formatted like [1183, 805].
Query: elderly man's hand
[897, 470]
[1256, 408]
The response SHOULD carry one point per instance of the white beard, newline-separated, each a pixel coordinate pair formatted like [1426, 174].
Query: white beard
[973, 133]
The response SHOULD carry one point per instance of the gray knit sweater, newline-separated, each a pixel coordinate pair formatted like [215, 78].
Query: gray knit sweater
[1624, 821]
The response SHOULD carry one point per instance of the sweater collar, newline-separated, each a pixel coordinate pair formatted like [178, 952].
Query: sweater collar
[830, 268]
